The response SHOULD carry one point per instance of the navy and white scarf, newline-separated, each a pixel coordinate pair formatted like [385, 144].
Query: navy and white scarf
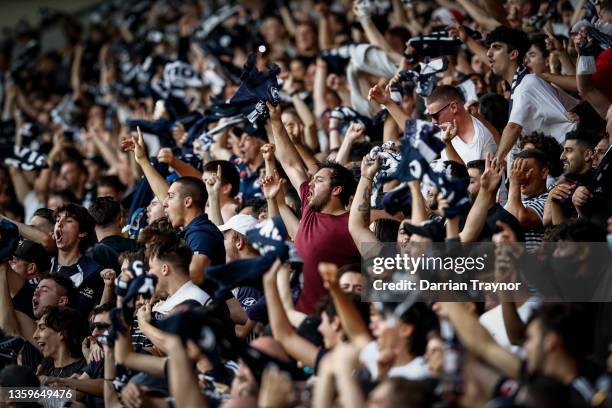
[22, 157]
[390, 159]
[419, 147]
[520, 74]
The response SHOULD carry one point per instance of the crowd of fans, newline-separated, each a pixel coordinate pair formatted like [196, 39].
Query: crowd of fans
[188, 189]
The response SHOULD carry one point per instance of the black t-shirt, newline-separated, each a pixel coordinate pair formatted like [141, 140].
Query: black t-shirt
[106, 252]
[50, 370]
[86, 276]
[566, 204]
[22, 301]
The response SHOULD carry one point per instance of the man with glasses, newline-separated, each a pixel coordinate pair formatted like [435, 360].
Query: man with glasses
[89, 384]
[466, 137]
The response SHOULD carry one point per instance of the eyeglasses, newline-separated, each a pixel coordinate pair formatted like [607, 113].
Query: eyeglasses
[434, 116]
[99, 326]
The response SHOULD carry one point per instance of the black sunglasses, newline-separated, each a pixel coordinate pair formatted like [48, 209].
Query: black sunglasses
[99, 325]
[434, 116]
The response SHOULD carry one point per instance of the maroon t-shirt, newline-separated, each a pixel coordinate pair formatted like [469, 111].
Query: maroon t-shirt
[321, 238]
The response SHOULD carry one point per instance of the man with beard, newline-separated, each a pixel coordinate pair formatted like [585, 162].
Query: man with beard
[73, 233]
[577, 157]
[323, 234]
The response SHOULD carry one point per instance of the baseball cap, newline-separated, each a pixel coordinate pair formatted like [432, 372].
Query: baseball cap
[240, 223]
[33, 252]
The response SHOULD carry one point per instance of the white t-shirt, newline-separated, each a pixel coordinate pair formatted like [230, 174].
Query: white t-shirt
[189, 291]
[539, 107]
[477, 149]
[414, 370]
[493, 321]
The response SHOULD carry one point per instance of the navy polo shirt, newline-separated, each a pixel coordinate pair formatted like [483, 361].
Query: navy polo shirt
[250, 183]
[204, 238]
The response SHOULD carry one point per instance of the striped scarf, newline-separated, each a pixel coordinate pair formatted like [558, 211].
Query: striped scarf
[520, 74]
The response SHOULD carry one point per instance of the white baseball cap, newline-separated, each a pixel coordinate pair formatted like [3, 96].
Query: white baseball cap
[240, 223]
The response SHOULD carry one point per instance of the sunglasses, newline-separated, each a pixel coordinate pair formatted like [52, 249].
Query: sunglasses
[99, 326]
[435, 116]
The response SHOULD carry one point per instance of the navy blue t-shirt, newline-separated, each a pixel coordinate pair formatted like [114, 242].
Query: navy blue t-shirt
[204, 238]
[86, 277]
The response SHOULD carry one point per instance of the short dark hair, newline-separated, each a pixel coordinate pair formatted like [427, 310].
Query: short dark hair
[176, 253]
[579, 230]
[326, 305]
[549, 146]
[423, 320]
[46, 213]
[113, 182]
[476, 164]
[65, 283]
[341, 176]
[67, 321]
[158, 231]
[66, 196]
[571, 322]
[457, 170]
[535, 154]
[539, 41]
[585, 138]
[446, 93]
[494, 108]
[409, 393]
[105, 211]
[229, 174]
[103, 308]
[86, 222]
[195, 188]
[515, 40]
[259, 206]
[386, 229]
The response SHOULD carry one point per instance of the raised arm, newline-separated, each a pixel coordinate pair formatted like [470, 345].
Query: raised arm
[125, 355]
[165, 155]
[8, 320]
[310, 122]
[34, 234]
[477, 217]
[286, 152]
[213, 187]
[476, 339]
[527, 217]
[182, 382]
[352, 323]
[380, 95]
[354, 132]
[359, 215]
[295, 345]
[111, 399]
[374, 36]
[479, 15]
[510, 135]
[156, 181]
[449, 132]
